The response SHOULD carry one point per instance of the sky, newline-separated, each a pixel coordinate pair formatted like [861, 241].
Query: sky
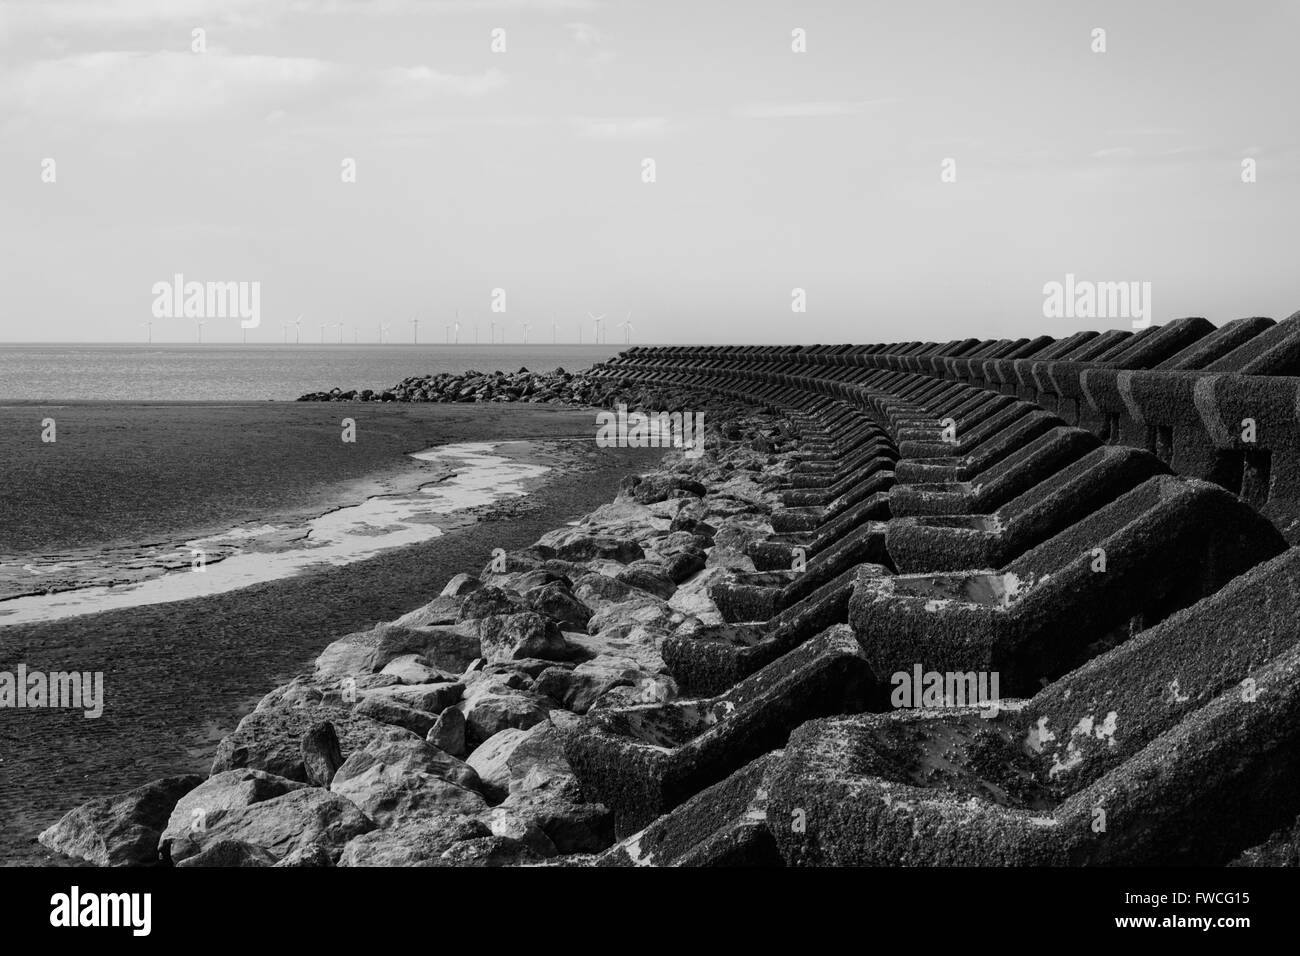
[795, 146]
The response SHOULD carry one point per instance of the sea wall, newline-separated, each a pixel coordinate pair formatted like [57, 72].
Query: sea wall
[980, 602]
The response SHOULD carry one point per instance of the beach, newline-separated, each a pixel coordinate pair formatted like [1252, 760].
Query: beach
[179, 675]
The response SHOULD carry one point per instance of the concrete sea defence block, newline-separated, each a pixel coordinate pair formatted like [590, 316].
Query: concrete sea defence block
[710, 659]
[1160, 547]
[970, 541]
[642, 761]
[723, 825]
[1141, 756]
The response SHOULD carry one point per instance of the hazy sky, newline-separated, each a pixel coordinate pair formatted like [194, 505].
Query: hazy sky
[522, 170]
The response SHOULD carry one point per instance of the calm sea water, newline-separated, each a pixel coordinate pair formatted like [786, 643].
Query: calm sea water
[231, 372]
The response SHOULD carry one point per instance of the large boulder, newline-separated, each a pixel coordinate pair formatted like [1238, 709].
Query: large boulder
[231, 853]
[513, 636]
[417, 841]
[448, 732]
[489, 851]
[558, 602]
[488, 601]
[120, 830]
[321, 753]
[280, 825]
[584, 547]
[518, 760]
[390, 711]
[493, 710]
[599, 591]
[648, 576]
[431, 698]
[270, 739]
[395, 780]
[218, 795]
[449, 649]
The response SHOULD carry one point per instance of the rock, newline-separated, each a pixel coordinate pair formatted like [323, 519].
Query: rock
[692, 524]
[489, 851]
[430, 698]
[312, 854]
[576, 689]
[489, 601]
[572, 826]
[538, 578]
[399, 779]
[279, 825]
[349, 656]
[412, 669]
[693, 597]
[220, 794]
[441, 610]
[461, 585]
[446, 648]
[657, 487]
[408, 754]
[586, 547]
[121, 830]
[301, 691]
[506, 823]
[558, 602]
[518, 760]
[417, 842]
[448, 732]
[321, 754]
[231, 853]
[491, 712]
[389, 711]
[599, 591]
[512, 636]
[645, 611]
[650, 577]
[270, 739]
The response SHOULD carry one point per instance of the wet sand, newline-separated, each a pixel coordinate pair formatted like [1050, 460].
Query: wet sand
[179, 675]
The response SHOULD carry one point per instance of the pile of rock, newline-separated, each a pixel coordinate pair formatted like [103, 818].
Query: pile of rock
[442, 738]
[558, 387]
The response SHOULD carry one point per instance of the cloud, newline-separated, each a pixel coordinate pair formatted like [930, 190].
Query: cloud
[620, 128]
[57, 15]
[135, 14]
[1115, 153]
[134, 87]
[801, 110]
[585, 34]
[1144, 131]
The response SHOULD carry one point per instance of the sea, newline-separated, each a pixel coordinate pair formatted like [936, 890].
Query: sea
[228, 372]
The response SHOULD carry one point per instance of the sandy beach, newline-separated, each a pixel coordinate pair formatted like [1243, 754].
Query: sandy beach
[179, 675]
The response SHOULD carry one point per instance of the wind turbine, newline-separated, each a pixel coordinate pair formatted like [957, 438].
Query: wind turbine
[626, 326]
[382, 329]
[297, 329]
[492, 331]
[415, 330]
[148, 332]
[596, 321]
[200, 323]
[339, 326]
[322, 333]
[525, 325]
[458, 327]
